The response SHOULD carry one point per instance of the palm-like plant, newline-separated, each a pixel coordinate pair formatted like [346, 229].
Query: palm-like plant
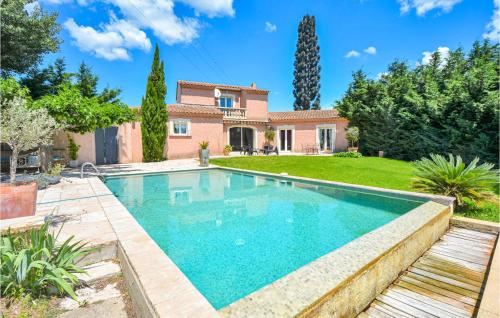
[32, 262]
[453, 178]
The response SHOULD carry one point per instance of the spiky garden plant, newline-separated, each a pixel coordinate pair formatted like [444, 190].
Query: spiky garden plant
[32, 262]
[453, 178]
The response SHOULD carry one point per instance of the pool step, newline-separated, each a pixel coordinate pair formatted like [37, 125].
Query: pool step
[99, 271]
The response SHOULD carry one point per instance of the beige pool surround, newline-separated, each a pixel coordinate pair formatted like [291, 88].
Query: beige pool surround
[339, 284]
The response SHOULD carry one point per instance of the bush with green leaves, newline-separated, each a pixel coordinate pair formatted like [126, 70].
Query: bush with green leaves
[453, 178]
[349, 154]
[34, 263]
[73, 148]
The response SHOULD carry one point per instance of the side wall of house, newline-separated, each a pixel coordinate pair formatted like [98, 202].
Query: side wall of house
[256, 106]
[202, 129]
[305, 132]
[86, 141]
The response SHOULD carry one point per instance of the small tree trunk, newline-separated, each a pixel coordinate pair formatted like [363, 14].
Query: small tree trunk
[45, 153]
[13, 164]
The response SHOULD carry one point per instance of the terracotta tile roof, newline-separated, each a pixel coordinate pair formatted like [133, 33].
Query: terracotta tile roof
[304, 115]
[194, 109]
[222, 86]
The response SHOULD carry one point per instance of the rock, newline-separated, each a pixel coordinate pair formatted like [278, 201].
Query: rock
[90, 295]
[110, 308]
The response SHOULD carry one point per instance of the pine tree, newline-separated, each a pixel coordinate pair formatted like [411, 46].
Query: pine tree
[154, 112]
[86, 81]
[306, 83]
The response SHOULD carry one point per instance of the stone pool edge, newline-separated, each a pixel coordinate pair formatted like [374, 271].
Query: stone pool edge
[157, 287]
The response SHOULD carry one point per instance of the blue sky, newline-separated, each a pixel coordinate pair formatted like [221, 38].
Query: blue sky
[242, 42]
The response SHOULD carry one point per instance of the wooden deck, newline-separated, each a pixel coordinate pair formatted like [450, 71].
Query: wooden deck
[446, 281]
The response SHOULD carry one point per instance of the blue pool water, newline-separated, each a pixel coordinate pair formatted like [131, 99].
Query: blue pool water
[233, 233]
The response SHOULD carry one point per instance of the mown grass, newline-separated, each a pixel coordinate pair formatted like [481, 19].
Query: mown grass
[370, 171]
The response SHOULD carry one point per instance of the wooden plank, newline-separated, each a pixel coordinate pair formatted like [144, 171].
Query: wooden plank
[389, 309]
[418, 304]
[444, 307]
[444, 279]
[470, 238]
[372, 312]
[403, 307]
[452, 268]
[462, 278]
[460, 255]
[437, 283]
[466, 308]
[465, 250]
[473, 232]
[439, 290]
[454, 256]
[441, 257]
[454, 244]
[462, 240]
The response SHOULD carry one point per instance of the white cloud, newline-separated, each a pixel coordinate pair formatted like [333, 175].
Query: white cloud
[212, 8]
[424, 6]
[443, 51]
[352, 54]
[271, 27]
[371, 50]
[111, 42]
[493, 27]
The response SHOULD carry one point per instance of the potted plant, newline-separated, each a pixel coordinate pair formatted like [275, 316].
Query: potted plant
[53, 176]
[227, 150]
[73, 152]
[204, 153]
[22, 129]
[352, 136]
[269, 135]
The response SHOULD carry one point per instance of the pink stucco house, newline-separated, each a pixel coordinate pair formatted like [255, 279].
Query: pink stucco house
[223, 115]
[239, 115]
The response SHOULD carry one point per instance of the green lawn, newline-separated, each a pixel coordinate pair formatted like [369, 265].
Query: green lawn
[370, 171]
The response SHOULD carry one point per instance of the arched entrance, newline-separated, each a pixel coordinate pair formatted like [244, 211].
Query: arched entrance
[240, 137]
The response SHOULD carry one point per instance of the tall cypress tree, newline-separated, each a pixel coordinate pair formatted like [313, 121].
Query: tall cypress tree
[307, 69]
[154, 112]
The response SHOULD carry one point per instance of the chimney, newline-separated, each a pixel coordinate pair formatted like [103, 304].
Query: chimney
[253, 85]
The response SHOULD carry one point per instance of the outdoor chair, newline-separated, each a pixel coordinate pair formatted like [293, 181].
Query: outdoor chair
[249, 150]
[270, 150]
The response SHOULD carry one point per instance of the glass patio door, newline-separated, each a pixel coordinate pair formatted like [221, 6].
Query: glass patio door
[325, 139]
[240, 137]
[285, 140]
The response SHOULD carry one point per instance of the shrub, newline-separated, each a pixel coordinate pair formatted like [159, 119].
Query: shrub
[227, 149]
[453, 178]
[269, 135]
[73, 148]
[348, 154]
[204, 144]
[55, 170]
[33, 262]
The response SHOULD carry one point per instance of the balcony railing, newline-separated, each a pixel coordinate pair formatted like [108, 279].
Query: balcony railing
[235, 113]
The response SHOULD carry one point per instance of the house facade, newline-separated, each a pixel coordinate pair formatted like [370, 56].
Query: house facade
[222, 115]
[239, 116]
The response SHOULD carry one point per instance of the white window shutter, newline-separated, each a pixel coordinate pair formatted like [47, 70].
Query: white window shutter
[188, 124]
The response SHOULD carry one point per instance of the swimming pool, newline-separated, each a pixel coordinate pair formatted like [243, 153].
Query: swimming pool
[232, 233]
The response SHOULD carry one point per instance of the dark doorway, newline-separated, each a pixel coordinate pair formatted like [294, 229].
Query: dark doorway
[240, 137]
[106, 145]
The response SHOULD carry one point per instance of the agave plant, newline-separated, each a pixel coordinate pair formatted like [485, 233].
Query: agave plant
[33, 262]
[453, 178]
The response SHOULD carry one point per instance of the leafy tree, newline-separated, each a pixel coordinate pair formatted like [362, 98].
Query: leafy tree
[24, 129]
[26, 36]
[306, 83]
[58, 75]
[47, 80]
[82, 114]
[10, 88]
[154, 112]
[86, 81]
[447, 106]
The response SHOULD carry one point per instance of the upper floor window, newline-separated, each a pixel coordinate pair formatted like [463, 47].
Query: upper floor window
[180, 127]
[226, 101]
